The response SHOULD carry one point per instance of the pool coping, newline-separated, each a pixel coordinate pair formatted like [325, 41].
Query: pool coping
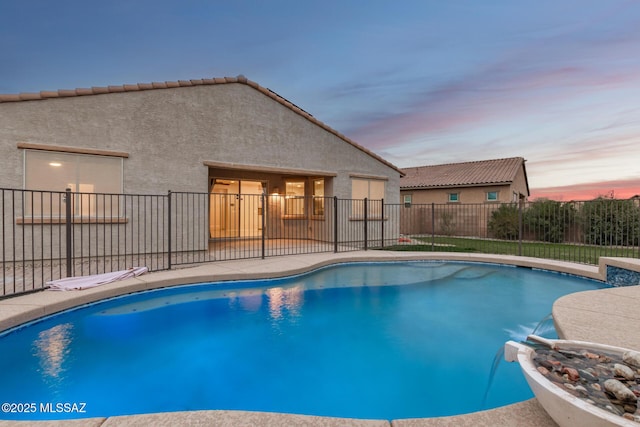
[581, 316]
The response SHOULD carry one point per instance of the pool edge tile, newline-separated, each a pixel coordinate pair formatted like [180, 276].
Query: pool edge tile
[524, 414]
[223, 418]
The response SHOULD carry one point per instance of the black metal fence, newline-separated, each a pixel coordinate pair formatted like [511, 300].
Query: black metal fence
[568, 231]
[213, 227]
[50, 235]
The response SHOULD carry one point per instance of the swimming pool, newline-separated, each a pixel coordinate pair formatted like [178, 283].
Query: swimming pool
[384, 340]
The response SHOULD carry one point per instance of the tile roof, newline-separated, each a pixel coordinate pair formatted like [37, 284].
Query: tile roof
[485, 172]
[44, 95]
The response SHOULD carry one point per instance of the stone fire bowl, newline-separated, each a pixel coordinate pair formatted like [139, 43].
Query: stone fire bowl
[566, 409]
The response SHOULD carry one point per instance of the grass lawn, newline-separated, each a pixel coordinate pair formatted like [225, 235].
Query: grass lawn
[585, 254]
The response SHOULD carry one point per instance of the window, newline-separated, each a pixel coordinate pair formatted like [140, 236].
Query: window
[492, 196]
[82, 173]
[371, 189]
[454, 197]
[294, 198]
[407, 200]
[318, 197]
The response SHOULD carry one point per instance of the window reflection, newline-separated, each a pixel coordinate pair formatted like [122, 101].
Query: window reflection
[52, 349]
[285, 299]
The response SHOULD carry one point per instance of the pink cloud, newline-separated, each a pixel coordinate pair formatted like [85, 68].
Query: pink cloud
[473, 102]
[536, 78]
[620, 189]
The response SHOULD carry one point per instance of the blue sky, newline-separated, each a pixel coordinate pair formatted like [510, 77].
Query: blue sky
[418, 82]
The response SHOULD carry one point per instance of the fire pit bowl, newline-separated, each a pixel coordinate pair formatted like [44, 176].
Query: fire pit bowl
[567, 403]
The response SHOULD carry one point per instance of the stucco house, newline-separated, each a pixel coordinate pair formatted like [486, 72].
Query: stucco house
[221, 136]
[240, 162]
[458, 198]
[485, 181]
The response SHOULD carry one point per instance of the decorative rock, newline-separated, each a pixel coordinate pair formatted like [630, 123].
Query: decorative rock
[631, 358]
[571, 373]
[586, 374]
[546, 364]
[624, 371]
[605, 359]
[581, 390]
[632, 417]
[544, 371]
[555, 363]
[613, 409]
[619, 390]
[569, 353]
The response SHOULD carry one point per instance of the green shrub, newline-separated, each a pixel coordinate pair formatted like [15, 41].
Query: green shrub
[610, 222]
[447, 224]
[547, 219]
[504, 222]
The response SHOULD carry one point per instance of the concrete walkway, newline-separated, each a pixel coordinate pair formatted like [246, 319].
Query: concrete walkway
[609, 316]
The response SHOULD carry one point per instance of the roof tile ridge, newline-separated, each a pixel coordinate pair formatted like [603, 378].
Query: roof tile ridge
[63, 93]
[10, 98]
[99, 90]
[466, 162]
[49, 94]
[79, 91]
[28, 96]
[116, 89]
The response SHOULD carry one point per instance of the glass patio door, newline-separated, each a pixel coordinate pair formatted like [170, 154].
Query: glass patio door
[235, 208]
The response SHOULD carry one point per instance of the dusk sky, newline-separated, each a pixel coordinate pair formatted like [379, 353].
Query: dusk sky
[418, 82]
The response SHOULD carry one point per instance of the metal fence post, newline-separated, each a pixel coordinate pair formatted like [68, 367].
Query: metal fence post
[68, 228]
[169, 228]
[262, 206]
[520, 226]
[366, 223]
[382, 222]
[433, 226]
[335, 224]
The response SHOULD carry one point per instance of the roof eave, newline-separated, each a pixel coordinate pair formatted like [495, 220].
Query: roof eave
[434, 187]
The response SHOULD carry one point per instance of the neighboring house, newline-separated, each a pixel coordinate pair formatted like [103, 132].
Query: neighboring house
[223, 136]
[458, 198]
[486, 181]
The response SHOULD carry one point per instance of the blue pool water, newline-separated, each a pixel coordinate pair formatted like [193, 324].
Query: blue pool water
[374, 340]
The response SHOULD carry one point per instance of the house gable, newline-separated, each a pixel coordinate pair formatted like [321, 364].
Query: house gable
[173, 134]
[44, 95]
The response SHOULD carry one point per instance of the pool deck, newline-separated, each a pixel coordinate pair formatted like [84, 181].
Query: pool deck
[609, 316]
